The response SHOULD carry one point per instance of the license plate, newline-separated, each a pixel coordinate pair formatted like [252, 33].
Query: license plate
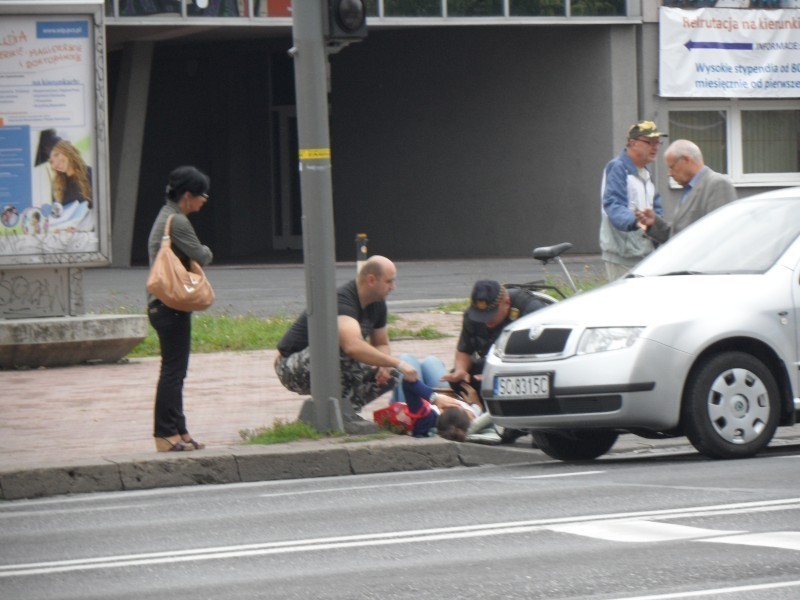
[522, 386]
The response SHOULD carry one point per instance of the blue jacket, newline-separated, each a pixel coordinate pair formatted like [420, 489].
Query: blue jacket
[625, 188]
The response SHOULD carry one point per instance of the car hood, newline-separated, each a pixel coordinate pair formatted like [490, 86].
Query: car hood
[665, 300]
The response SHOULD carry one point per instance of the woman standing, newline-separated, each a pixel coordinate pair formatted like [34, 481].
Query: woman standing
[187, 192]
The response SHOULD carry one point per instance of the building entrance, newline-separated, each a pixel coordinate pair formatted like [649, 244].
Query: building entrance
[288, 231]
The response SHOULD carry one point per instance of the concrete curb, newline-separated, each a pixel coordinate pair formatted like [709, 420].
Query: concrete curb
[298, 460]
[230, 465]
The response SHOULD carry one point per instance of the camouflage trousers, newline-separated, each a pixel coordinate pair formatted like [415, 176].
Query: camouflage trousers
[358, 380]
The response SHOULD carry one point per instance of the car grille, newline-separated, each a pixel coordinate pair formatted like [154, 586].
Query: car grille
[555, 406]
[550, 341]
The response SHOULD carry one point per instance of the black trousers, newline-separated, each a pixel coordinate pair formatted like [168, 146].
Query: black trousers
[174, 329]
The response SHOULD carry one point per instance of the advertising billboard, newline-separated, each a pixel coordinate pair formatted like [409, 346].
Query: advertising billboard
[53, 183]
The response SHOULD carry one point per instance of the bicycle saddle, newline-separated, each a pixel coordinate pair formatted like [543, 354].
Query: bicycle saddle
[546, 253]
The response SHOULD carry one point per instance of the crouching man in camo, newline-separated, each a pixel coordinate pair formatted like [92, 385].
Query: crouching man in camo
[365, 357]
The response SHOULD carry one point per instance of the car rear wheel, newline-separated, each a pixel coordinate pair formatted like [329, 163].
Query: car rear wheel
[731, 407]
[574, 444]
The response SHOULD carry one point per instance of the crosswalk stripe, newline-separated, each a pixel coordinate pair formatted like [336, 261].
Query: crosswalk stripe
[786, 540]
[638, 531]
[644, 531]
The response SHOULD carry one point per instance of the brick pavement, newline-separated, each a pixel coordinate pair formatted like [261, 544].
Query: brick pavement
[72, 414]
[78, 415]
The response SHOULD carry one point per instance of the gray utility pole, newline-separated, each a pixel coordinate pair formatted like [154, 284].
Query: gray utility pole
[324, 410]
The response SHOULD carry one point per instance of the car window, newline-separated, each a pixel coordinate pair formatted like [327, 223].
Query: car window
[747, 236]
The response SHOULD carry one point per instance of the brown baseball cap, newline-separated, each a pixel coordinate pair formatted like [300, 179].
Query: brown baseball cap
[644, 129]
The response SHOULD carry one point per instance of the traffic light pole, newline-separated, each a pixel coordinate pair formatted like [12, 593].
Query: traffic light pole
[324, 410]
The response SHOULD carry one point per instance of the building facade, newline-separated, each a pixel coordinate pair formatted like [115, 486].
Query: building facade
[458, 128]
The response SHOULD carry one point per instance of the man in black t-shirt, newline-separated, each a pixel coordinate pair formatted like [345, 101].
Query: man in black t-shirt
[366, 360]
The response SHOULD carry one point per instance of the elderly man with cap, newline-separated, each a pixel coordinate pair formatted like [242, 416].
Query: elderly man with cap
[626, 188]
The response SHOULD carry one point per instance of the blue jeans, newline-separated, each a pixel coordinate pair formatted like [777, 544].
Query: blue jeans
[430, 370]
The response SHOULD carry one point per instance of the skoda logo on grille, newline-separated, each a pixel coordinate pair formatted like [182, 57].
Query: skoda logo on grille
[535, 332]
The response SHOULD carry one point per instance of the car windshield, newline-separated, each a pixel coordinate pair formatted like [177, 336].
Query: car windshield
[747, 236]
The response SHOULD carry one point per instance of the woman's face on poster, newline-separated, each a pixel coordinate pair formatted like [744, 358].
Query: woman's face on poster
[59, 161]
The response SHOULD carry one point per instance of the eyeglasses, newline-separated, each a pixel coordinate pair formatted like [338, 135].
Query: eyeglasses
[675, 162]
[650, 141]
[203, 196]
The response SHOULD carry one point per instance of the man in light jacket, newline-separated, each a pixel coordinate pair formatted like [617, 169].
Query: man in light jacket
[626, 188]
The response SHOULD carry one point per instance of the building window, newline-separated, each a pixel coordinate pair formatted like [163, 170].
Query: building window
[770, 141]
[537, 8]
[474, 8]
[410, 8]
[190, 8]
[756, 143]
[597, 8]
[707, 129]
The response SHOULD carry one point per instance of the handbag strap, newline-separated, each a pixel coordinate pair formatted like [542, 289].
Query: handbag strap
[167, 226]
[166, 241]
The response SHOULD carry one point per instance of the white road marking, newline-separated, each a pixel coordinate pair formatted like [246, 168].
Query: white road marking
[561, 475]
[360, 487]
[378, 539]
[717, 591]
[638, 531]
[786, 540]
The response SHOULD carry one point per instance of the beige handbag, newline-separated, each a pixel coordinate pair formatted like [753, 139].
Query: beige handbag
[170, 282]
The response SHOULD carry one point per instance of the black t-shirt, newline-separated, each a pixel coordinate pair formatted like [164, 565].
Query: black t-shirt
[476, 338]
[371, 317]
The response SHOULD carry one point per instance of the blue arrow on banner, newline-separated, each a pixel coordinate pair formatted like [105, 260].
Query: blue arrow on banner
[718, 45]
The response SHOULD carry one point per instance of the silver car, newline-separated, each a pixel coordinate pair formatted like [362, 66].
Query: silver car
[700, 339]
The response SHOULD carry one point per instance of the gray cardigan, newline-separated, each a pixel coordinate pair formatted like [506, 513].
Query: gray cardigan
[185, 242]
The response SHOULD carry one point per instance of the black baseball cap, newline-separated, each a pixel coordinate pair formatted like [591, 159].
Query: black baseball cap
[485, 300]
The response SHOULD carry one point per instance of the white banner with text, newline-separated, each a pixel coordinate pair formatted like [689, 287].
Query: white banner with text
[729, 53]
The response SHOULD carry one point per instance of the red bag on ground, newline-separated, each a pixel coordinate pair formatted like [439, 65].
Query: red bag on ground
[396, 417]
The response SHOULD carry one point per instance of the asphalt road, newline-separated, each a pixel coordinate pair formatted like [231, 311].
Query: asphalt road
[268, 290]
[664, 526]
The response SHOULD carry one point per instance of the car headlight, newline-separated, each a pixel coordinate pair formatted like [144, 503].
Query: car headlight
[499, 346]
[604, 339]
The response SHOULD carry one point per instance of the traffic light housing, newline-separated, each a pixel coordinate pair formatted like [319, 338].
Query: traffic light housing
[347, 20]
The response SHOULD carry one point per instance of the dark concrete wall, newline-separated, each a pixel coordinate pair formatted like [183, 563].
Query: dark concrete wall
[471, 142]
[446, 142]
[209, 107]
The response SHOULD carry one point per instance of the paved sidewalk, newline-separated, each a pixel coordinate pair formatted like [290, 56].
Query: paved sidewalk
[71, 414]
[77, 429]
[89, 428]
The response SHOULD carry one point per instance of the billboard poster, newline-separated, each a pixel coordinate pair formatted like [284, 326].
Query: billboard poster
[729, 53]
[48, 155]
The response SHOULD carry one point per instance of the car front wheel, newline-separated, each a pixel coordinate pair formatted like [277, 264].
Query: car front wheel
[574, 444]
[731, 406]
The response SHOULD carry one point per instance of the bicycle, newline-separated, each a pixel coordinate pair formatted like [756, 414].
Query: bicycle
[547, 255]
